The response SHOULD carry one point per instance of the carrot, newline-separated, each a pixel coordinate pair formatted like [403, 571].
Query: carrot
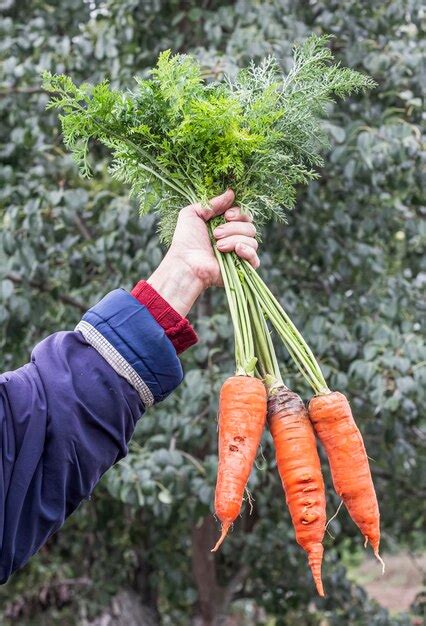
[300, 471]
[242, 416]
[335, 426]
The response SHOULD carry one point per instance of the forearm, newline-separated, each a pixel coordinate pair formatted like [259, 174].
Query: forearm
[176, 283]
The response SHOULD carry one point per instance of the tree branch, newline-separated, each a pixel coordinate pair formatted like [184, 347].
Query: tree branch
[25, 90]
[213, 599]
[82, 227]
[46, 288]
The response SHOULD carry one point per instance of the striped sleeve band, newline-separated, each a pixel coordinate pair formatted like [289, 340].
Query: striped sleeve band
[117, 362]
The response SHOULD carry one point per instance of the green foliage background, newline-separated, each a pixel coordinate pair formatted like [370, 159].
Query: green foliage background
[347, 266]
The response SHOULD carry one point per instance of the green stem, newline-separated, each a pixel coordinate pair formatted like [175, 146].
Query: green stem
[242, 304]
[262, 348]
[233, 309]
[244, 345]
[293, 349]
[275, 367]
[293, 340]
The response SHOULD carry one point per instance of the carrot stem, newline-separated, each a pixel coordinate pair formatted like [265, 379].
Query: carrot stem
[265, 353]
[233, 311]
[242, 303]
[244, 344]
[292, 338]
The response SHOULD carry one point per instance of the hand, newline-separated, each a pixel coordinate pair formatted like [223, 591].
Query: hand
[190, 265]
[191, 243]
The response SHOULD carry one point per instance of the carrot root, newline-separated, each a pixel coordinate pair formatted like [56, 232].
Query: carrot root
[242, 416]
[225, 527]
[299, 467]
[315, 554]
[381, 561]
[335, 426]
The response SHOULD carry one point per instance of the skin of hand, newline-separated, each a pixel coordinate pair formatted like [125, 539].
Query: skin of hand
[190, 265]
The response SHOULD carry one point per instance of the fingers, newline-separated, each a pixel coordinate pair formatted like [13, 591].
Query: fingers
[234, 215]
[217, 205]
[244, 246]
[238, 235]
[248, 253]
[228, 244]
[234, 228]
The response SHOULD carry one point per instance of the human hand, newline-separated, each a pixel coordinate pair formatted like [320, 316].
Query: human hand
[190, 265]
[191, 242]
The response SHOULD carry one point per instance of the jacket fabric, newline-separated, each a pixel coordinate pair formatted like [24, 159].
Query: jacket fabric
[67, 416]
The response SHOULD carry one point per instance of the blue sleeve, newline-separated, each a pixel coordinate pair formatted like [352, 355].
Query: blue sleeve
[67, 416]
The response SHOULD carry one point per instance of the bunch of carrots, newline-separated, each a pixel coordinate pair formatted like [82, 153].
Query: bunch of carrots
[178, 138]
[248, 402]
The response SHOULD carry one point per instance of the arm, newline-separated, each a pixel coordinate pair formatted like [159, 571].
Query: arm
[67, 416]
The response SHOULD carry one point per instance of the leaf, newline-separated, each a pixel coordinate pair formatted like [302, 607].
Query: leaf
[7, 288]
[337, 132]
[165, 496]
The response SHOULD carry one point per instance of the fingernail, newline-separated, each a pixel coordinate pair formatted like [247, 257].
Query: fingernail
[221, 244]
[230, 213]
[218, 231]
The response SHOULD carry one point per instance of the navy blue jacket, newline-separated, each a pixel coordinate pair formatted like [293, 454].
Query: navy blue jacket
[67, 416]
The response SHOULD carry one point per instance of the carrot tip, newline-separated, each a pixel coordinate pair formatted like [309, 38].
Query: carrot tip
[365, 541]
[225, 528]
[320, 588]
[379, 558]
[315, 555]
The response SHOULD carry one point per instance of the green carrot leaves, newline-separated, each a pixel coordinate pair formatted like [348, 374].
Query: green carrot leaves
[177, 139]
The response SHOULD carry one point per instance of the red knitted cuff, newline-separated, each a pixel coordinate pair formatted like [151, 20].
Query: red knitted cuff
[177, 328]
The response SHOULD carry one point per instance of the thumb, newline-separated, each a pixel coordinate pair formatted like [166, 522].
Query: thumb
[217, 205]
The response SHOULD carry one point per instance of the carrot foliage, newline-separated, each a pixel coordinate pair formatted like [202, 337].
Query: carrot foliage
[176, 137]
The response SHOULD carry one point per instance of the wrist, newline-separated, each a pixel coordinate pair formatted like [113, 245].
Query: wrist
[175, 281]
[177, 328]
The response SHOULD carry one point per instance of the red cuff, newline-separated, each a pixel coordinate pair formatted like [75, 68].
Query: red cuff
[177, 328]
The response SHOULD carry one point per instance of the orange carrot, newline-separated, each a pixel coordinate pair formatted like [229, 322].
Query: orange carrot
[242, 416]
[335, 426]
[300, 471]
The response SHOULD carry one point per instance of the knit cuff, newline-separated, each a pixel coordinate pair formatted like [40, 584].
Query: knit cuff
[177, 328]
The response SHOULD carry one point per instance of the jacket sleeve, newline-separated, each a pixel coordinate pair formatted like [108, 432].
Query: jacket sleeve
[67, 416]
